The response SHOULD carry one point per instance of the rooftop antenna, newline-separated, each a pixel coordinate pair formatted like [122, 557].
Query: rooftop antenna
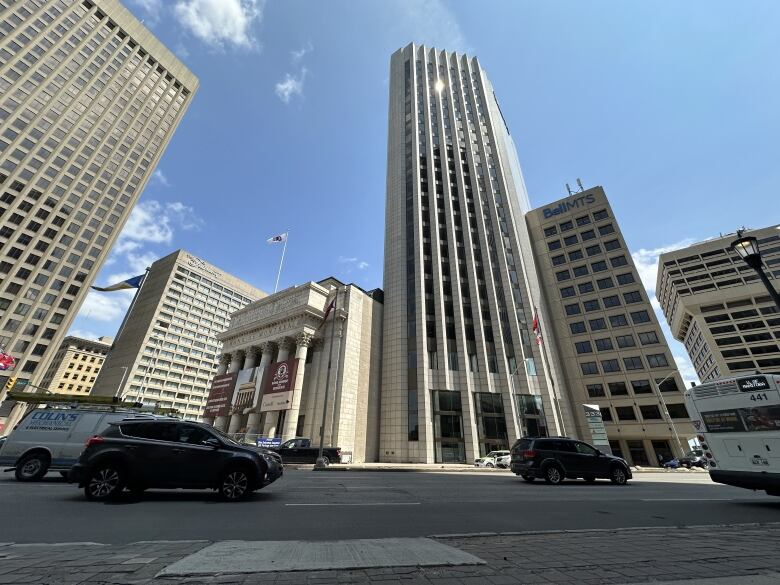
[579, 183]
[569, 190]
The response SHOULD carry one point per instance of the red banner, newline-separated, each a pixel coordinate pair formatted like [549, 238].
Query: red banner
[220, 395]
[279, 385]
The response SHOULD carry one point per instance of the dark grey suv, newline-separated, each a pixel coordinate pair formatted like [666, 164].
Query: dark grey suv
[169, 453]
[557, 458]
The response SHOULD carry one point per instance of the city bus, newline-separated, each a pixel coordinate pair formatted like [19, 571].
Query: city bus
[737, 420]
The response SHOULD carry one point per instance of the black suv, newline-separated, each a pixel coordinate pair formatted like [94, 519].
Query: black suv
[558, 458]
[169, 453]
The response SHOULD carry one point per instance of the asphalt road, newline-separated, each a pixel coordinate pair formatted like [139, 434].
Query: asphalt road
[344, 505]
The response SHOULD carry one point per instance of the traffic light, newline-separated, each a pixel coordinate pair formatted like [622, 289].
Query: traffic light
[10, 383]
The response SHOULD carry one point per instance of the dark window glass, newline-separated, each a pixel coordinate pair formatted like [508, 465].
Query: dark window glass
[597, 324]
[625, 412]
[610, 366]
[606, 229]
[592, 305]
[585, 287]
[599, 266]
[604, 344]
[594, 250]
[558, 260]
[563, 275]
[589, 368]
[632, 297]
[677, 410]
[580, 271]
[626, 278]
[575, 255]
[618, 261]
[648, 338]
[618, 389]
[611, 245]
[573, 309]
[601, 214]
[595, 390]
[657, 360]
[612, 301]
[618, 320]
[641, 387]
[578, 327]
[570, 240]
[583, 347]
[650, 412]
[606, 413]
[554, 245]
[640, 317]
[584, 220]
[633, 363]
[566, 226]
[550, 231]
[567, 291]
[587, 235]
[625, 340]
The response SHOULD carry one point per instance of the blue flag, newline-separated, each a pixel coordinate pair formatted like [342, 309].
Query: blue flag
[134, 282]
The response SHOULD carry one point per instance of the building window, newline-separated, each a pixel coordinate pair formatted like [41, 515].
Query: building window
[570, 240]
[618, 320]
[578, 327]
[599, 266]
[491, 423]
[618, 389]
[606, 229]
[550, 231]
[601, 214]
[640, 317]
[589, 368]
[605, 283]
[531, 412]
[573, 309]
[611, 301]
[585, 287]
[618, 261]
[626, 278]
[595, 391]
[611, 245]
[657, 360]
[625, 413]
[604, 344]
[668, 385]
[641, 387]
[606, 413]
[610, 366]
[566, 226]
[625, 341]
[575, 255]
[567, 291]
[584, 220]
[632, 297]
[677, 410]
[592, 305]
[554, 245]
[448, 427]
[597, 324]
[558, 260]
[563, 275]
[580, 271]
[633, 363]
[650, 412]
[587, 235]
[583, 347]
[594, 250]
[648, 338]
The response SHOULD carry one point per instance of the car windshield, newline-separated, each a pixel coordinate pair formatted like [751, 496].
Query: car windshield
[227, 438]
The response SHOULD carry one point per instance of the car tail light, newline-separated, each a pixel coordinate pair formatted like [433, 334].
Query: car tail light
[96, 440]
[708, 455]
[529, 454]
[701, 438]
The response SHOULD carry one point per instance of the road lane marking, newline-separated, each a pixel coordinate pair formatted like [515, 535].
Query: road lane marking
[688, 500]
[363, 504]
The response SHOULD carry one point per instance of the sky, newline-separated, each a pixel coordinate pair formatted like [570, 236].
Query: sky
[671, 107]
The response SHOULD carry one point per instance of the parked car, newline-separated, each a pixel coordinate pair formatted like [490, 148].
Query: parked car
[493, 459]
[51, 439]
[299, 450]
[672, 464]
[693, 458]
[171, 454]
[557, 458]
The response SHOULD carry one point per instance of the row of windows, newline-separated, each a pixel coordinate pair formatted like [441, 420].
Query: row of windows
[599, 266]
[595, 250]
[608, 302]
[657, 360]
[600, 323]
[638, 387]
[580, 221]
[648, 412]
[623, 341]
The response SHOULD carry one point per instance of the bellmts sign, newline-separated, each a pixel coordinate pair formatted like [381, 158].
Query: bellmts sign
[569, 204]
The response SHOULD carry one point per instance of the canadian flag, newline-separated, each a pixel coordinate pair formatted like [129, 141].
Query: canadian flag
[537, 329]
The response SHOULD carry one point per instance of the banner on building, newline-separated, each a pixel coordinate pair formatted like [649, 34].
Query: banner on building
[220, 395]
[278, 391]
[598, 432]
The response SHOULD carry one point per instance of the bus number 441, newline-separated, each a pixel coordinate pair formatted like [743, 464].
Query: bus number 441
[759, 396]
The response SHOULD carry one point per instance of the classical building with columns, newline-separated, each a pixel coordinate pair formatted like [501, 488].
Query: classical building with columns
[274, 371]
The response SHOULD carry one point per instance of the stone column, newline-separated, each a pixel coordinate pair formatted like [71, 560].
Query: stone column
[285, 345]
[266, 355]
[251, 358]
[224, 359]
[235, 422]
[303, 341]
[236, 360]
[220, 423]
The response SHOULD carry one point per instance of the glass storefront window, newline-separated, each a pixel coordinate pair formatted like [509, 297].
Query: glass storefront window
[491, 423]
[530, 411]
[448, 427]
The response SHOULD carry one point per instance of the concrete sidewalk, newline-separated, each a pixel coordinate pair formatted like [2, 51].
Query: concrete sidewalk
[722, 555]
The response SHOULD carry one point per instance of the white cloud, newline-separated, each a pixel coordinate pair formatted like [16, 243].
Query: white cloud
[140, 262]
[154, 222]
[353, 262]
[158, 177]
[299, 54]
[221, 22]
[291, 86]
[687, 371]
[346, 260]
[83, 334]
[430, 22]
[111, 306]
[152, 9]
[362, 265]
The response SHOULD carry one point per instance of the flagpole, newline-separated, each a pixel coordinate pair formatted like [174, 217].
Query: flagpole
[130, 308]
[281, 262]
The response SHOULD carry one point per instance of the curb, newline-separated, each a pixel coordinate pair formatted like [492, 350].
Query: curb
[435, 469]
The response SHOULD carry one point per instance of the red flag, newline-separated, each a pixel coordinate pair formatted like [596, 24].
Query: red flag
[328, 309]
[537, 330]
[7, 361]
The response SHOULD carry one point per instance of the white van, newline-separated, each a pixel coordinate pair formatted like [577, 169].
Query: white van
[51, 439]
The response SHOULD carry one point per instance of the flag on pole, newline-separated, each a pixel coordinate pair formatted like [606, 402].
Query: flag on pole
[277, 239]
[7, 361]
[328, 309]
[134, 282]
[537, 329]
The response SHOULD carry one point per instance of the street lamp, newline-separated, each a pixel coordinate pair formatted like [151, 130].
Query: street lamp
[666, 411]
[748, 250]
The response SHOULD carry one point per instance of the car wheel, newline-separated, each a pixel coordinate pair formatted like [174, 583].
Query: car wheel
[589, 478]
[527, 478]
[488, 464]
[32, 467]
[325, 460]
[106, 481]
[618, 476]
[234, 485]
[553, 474]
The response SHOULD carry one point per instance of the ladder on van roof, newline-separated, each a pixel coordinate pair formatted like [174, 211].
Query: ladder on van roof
[74, 401]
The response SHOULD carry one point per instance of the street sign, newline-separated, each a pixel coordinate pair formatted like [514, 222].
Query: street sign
[598, 432]
[269, 442]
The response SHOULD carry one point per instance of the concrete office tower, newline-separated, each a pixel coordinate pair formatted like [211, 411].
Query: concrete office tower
[716, 305]
[89, 102]
[287, 330]
[167, 351]
[76, 365]
[611, 347]
[461, 372]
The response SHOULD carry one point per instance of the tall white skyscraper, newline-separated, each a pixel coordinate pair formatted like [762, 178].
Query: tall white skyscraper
[89, 99]
[462, 372]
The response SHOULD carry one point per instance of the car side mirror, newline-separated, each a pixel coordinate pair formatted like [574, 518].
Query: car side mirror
[599, 453]
[212, 442]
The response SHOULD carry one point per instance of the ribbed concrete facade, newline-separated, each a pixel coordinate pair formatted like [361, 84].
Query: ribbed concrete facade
[718, 308]
[76, 365]
[89, 102]
[611, 349]
[458, 345]
[167, 351]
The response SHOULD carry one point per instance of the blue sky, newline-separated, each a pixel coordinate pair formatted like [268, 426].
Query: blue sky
[672, 107]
